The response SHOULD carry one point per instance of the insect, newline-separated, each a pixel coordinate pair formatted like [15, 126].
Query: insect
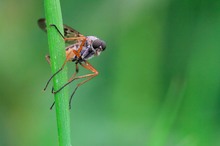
[80, 49]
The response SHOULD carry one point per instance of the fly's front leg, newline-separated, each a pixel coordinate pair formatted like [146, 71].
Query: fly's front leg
[68, 57]
[54, 75]
[81, 45]
[74, 53]
[47, 57]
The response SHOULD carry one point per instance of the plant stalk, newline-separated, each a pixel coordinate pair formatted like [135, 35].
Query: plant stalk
[57, 55]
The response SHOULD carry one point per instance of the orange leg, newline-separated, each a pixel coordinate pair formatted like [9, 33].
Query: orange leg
[76, 53]
[79, 37]
[80, 47]
[73, 76]
[68, 58]
[74, 38]
[86, 65]
[88, 76]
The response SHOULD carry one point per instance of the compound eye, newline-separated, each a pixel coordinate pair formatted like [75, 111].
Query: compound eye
[96, 43]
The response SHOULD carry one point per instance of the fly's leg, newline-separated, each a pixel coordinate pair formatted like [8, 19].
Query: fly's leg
[81, 45]
[75, 38]
[69, 81]
[88, 76]
[76, 53]
[47, 57]
[68, 57]
[51, 107]
[73, 76]
[58, 30]
[55, 74]
[86, 65]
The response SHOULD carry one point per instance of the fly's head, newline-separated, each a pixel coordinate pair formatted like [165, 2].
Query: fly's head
[97, 45]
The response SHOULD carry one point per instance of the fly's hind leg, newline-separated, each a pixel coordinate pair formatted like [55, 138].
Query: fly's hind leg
[88, 76]
[73, 76]
[87, 66]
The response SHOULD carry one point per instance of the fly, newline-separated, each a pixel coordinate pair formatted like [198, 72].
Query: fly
[81, 48]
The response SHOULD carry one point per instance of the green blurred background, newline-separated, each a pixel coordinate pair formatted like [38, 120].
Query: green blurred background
[159, 81]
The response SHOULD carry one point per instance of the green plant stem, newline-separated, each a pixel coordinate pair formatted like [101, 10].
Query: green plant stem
[57, 56]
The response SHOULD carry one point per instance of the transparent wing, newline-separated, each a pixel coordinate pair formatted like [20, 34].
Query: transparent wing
[68, 31]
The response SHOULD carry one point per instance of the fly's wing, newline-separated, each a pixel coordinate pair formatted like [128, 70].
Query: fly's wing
[68, 31]
[42, 24]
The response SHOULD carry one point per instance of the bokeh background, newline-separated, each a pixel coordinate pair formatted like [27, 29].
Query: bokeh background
[159, 81]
